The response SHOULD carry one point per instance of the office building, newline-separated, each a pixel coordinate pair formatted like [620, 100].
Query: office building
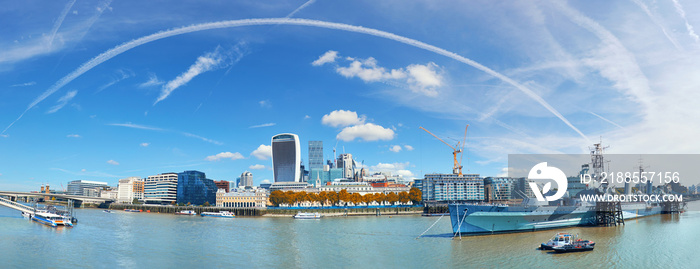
[246, 180]
[76, 187]
[497, 188]
[193, 187]
[346, 163]
[315, 155]
[286, 158]
[223, 184]
[242, 199]
[160, 189]
[129, 189]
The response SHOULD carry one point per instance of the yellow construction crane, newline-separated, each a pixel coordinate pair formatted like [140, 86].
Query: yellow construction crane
[457, 168]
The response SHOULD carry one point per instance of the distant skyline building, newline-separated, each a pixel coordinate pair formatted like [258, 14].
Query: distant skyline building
[315, 155]
[223, 184]
[246, 179]
[347, 164]
[160, 189]
[452, 187]
[76, 187]
[286, 158]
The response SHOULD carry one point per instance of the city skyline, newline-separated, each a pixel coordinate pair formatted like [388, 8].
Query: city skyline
[102, 91]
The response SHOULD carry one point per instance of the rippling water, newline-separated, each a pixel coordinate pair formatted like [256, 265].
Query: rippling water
[151, 240]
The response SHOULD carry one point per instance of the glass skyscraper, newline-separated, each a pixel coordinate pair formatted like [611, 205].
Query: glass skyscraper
[286, 158]
[315, 155]
[195, 188]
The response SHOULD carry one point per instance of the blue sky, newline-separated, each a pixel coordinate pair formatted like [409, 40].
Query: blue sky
[102, 90]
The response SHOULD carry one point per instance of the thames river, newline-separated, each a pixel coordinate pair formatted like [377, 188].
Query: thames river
[152, 240]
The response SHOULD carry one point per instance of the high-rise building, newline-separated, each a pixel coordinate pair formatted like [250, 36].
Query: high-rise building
[160, 189]
[453, 187]
[286, 158]
[223, 184]
[346, 163]
[129, 189]
[195, 188]
[315, 155]
[246, 179]
[76, 187]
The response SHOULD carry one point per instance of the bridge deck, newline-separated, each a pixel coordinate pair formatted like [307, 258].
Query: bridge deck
[16, 205]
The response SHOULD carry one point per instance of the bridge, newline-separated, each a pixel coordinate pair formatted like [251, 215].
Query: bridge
[16, 205]
[14, 195]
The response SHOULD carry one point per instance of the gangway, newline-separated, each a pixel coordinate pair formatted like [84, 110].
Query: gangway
[16, 206]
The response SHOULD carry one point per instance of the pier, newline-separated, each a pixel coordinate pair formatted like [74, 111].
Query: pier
[608, 214]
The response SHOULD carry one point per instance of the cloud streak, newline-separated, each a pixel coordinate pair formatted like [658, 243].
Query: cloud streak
[681, 12]
[59, 21]
[207, 62]
[150, 128]
[263, 125]
[63, 101]
[109, 54]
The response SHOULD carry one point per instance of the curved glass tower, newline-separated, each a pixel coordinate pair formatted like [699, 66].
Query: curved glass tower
[286, 158]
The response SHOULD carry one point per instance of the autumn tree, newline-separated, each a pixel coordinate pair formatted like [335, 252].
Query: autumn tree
[415, 195]
[392, 198]
[344, 196]
[404, 197]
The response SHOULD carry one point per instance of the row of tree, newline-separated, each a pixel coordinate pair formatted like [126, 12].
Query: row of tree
[343, 197]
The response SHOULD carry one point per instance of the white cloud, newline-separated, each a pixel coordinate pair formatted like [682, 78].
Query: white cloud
[342, 118]
[263, 152]
[395, 148]
[73, 136]
[144, 127]
[366, 132]
[265, 103]
[225, 155]
[4, 135]
[405, 174]
[256, 167]
[400, 169]
[408, 147]
[152, 81]
[328, 57]
[263, 125]
[144, 144]
[265, 181]
[112, 162]
[423, 79]
[207, 62]
[307, 117]
[62, 101]
[203, 138]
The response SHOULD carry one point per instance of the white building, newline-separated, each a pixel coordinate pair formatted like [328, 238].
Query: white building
[242, 199]
[246, 179]
[129, 189]
[76, 187]
[160, 189]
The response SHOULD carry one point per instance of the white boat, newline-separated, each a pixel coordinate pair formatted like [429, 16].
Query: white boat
[304, 215]
[26, 215]
[52, 219]
[559, 240]
[186, 212]
[220, 214]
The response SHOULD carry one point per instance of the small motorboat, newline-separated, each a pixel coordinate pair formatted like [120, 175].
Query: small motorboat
[220, 214]
[107, 211]
[576, 246]
[558, 240]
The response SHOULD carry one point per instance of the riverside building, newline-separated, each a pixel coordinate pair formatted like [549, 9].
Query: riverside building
[160, 189]
[129, 189]
[195, 188]
[77, 187]
[452, 187]
[242, 199]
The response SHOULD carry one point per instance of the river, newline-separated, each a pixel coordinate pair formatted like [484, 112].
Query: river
[153, 240]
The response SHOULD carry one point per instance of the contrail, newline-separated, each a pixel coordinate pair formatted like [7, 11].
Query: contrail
[607, 120]
[656, 21]
[59, 21]
[681, 12]
[287, 21]
[300, 8]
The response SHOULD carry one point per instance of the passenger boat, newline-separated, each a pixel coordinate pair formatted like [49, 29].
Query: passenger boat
[51, 219]
[558, 240]
[131, 210]
[186, 212]
[220, 214]
[303, 215]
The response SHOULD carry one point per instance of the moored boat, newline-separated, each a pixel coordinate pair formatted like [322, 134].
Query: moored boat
[220, 214]
[107, 211]
[52, 219]
[132, 210]
[186, 212]
[304, 215]
[576, 246]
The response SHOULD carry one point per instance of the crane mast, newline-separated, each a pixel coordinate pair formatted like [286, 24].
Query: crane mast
[457, 166]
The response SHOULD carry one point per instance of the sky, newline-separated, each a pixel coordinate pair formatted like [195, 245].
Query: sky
[104, 90]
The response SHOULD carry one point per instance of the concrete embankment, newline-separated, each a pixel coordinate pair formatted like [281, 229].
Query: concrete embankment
[274, 212]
